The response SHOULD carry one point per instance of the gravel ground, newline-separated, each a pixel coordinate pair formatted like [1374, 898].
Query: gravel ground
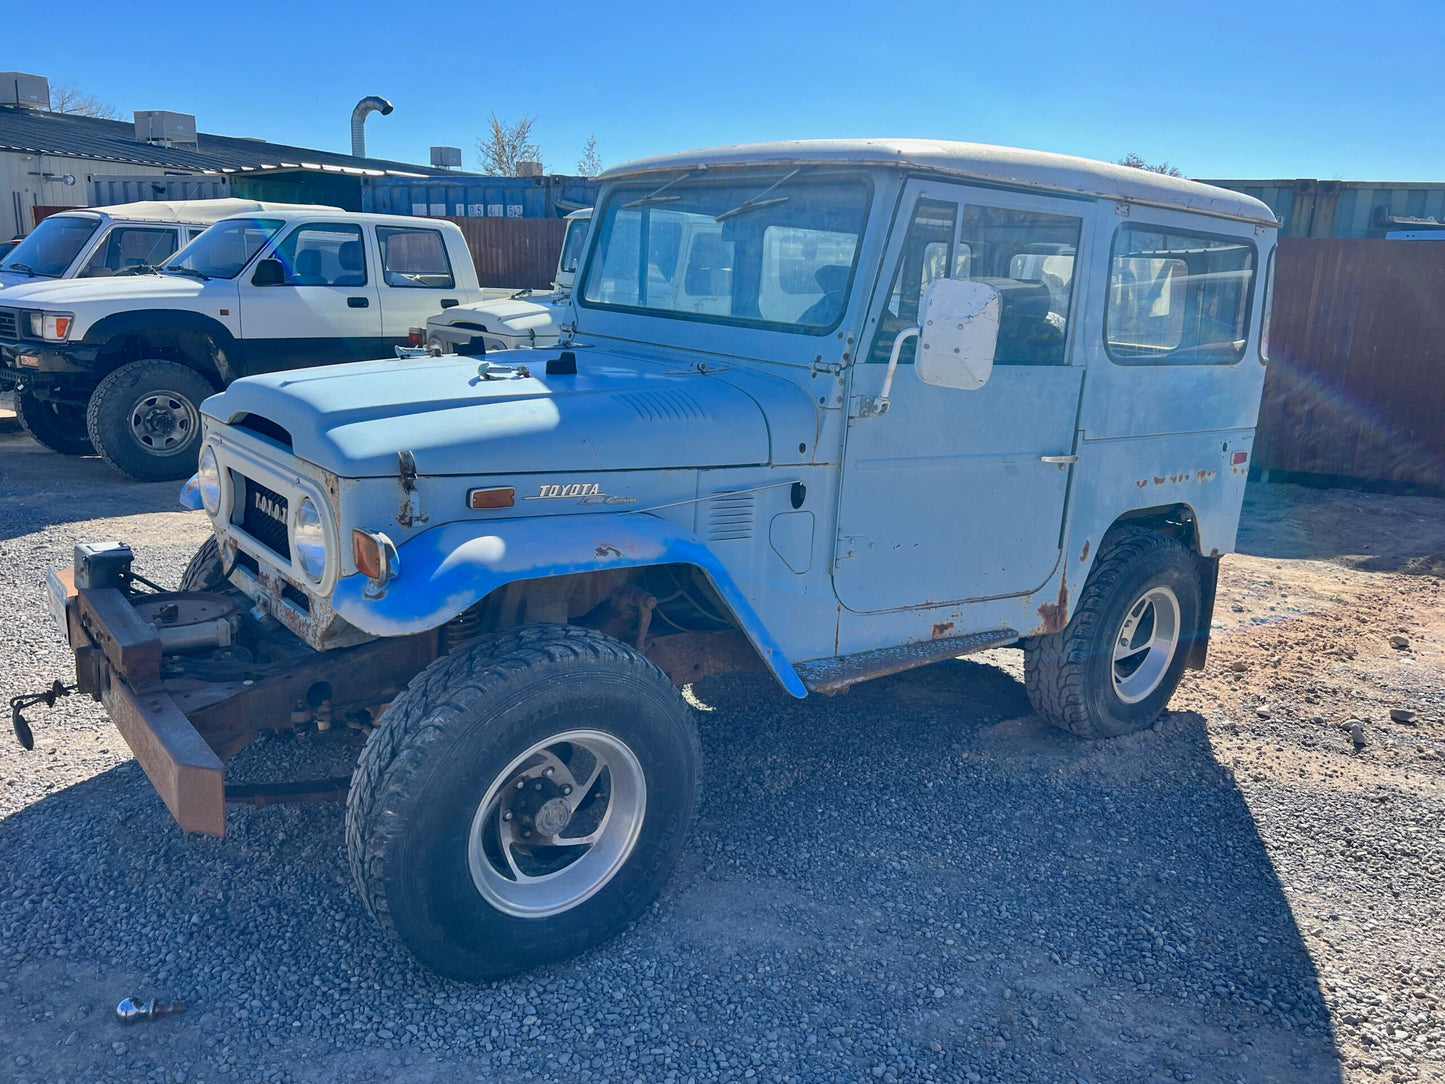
[916, 881]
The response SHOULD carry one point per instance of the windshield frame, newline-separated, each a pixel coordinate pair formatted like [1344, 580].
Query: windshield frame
[754, 178]
[174, 265]
[96, 220]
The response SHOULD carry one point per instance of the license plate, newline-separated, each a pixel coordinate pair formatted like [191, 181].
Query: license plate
[28, 361]
[55, 597]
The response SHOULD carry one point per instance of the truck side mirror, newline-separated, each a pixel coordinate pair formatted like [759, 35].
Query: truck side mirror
[958, 333]
[269, 273]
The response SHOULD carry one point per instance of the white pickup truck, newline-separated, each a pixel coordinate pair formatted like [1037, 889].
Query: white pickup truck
[509, 320]
[97, 242]
[121, 364]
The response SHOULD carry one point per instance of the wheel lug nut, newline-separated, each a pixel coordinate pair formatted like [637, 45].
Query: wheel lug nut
[507, 815]
[521, 783]
[526, 819]
[548, 771]
[526, 833]
[566, 789]
[537, 785]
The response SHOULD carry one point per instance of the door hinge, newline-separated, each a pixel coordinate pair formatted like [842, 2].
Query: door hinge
[831, 368]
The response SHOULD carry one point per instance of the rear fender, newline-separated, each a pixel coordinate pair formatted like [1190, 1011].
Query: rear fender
[447, 569]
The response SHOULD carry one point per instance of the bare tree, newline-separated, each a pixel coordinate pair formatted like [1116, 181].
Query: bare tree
[506, 146]
[590, 164]
[1136, 161]
[69, 98]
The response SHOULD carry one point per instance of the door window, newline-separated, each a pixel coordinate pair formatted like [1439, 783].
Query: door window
[327, 254]
[924, 257]
[127, 248]
[414, 258]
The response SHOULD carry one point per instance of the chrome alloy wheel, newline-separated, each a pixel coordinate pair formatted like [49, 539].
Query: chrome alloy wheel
[1146, 644]
[557, 824]
[163, 423]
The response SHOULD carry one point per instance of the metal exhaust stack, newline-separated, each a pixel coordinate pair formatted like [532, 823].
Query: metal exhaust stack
[371, 104]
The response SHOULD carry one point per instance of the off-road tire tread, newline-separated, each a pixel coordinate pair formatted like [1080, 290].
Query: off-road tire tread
[100, 403]
[418, 716]
[1055, 674]
[204, 571]
[76, 445]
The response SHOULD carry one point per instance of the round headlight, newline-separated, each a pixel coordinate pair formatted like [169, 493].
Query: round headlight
[208, 478]
[308, 539]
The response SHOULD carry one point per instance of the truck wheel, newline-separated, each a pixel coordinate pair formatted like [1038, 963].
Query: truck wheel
[522, 800]
[204, 573]
[58, 426]
[1115, 665]
[145, 419]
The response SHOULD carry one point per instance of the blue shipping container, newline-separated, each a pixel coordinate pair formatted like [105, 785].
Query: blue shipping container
[553, 196]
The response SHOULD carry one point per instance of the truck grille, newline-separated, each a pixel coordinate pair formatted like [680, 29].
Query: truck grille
[9, 324]
[264, 518]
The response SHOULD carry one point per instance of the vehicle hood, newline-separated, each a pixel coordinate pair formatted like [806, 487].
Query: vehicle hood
[517, 314]
[615, 413]
[19, 278]
[55, 293]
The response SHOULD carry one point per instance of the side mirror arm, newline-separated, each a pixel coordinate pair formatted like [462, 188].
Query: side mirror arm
[879, 404]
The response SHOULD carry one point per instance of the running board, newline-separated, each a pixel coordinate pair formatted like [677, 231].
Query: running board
[830, 676]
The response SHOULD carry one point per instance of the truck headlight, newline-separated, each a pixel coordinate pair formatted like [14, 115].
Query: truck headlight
[208, 480]
[51, 326]
[308, 539]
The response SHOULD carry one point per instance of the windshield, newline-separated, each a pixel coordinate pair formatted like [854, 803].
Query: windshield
[765, 250]
[573, 245]
[225, 248]
[52, 246]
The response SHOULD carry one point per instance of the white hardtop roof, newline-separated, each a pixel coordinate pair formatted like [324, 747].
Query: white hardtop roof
[291, 212]
[585, 212]
[978, 162]
[191, 211]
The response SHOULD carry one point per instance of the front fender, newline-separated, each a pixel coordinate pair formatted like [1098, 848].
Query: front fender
[445, 570]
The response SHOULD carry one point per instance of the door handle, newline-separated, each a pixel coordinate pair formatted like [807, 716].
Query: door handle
[450, 302]
[358, 302]
[1061, 460]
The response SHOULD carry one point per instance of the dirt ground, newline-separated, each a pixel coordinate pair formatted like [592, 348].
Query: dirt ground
[1254, 890]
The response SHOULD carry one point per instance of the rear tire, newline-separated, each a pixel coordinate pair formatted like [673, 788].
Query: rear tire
[1114, 666]
[494, 743]
[206, 571]
[145, 419]
[58, 426]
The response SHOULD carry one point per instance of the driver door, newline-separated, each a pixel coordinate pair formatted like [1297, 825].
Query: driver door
[955, 496]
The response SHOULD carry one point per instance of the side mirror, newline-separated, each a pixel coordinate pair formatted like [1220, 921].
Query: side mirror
[269, 273]
[958, 333]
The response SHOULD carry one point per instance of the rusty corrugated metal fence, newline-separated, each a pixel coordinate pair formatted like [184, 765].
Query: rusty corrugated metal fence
[520, 252]
[1356, 383]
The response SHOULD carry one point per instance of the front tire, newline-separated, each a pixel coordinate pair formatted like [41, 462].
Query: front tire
[1114, 666]
[522, 800]
[145, 419]
[206, 571]
[58, 426]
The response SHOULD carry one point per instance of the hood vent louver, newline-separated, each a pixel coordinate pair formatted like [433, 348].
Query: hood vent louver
[263, 427]
[664, 405]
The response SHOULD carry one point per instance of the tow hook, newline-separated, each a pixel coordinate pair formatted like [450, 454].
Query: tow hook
[20, 703]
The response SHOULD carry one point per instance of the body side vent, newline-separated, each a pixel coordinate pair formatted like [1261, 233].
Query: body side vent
[730, 517]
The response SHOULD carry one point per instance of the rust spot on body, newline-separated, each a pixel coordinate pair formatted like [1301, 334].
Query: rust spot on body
[1158, 481]
[942, 629]
[606, 550]
[1055, 615]
[1084, 553]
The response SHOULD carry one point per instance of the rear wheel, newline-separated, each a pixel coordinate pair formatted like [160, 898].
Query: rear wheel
[523, 800]
[145, 419]
[1113, 668]
[58, 426]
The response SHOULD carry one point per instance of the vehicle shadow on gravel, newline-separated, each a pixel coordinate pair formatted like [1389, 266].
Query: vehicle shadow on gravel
[917, 880]
[43, 488]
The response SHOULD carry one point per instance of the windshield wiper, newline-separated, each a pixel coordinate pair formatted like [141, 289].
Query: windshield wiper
[177, 269]
[141, 269]
[757, 202]
[25, 269]
[656, 195]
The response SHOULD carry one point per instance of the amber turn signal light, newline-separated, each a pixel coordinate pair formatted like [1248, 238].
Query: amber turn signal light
[369, 550]
[503, 497]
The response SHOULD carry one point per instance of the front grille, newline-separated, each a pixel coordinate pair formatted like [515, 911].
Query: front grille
[9, 324]
[264, 518]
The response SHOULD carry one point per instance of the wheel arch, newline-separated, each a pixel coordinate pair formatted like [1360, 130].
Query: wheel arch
[562, 563]
[192, 339]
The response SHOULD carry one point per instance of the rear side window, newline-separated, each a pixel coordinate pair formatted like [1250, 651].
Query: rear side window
[414, 258]
[1178, 298]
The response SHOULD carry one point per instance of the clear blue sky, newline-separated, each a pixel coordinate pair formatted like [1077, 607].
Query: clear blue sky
[1223, 89]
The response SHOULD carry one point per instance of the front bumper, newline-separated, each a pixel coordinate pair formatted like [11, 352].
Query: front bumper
[182, 727]
[46, 365]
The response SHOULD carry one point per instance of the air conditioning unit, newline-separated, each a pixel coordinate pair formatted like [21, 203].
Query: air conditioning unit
[529, 169]
[446, 157]
[160, 126]
[21, 91]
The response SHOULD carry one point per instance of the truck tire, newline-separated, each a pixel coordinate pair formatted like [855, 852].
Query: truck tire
[58, 426]
[1114, 666]
[205, 572]
[488, 748]
[145, 419]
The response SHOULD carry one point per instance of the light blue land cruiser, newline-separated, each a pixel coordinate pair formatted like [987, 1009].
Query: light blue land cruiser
[829, 410]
